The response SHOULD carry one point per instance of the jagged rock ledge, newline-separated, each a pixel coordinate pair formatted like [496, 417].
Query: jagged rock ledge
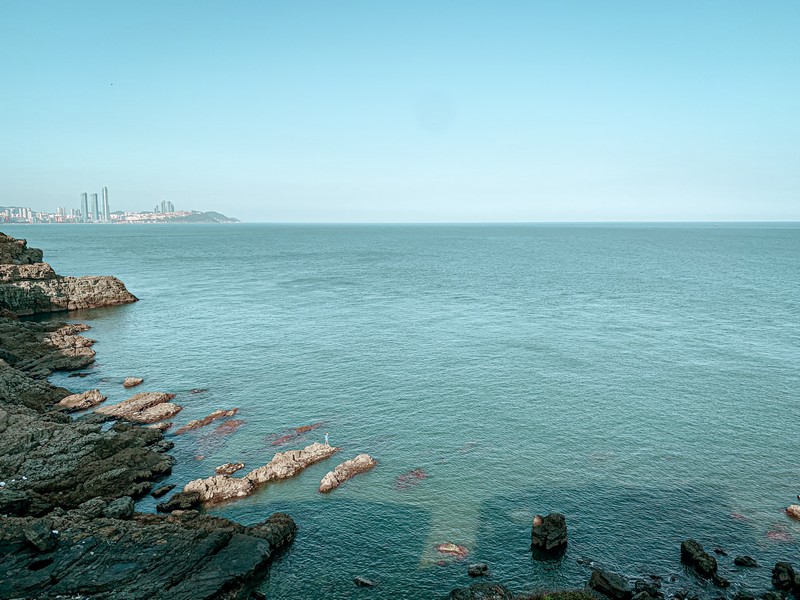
[347, 470]
[221, 488]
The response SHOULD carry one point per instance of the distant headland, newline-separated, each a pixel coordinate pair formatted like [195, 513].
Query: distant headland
[92, 210]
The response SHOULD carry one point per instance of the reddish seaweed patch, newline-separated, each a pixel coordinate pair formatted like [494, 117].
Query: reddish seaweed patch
[409, 479]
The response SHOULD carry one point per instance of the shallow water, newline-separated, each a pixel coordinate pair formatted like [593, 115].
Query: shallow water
[641, 379]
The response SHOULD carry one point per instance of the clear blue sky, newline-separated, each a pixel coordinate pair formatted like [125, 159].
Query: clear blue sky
[406, 111]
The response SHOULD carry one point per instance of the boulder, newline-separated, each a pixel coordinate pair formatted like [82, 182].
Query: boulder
[144, 407]
[784, 577]
[477, 569]
[693, 555]
[228, 468]
[745, 561]
[180, 501]
[347, 470]
[162, 491]
[121, 508]
[132, 382]
[82, 401]
[794, 511]
[549, 534]
[610, 585]
[363, 582]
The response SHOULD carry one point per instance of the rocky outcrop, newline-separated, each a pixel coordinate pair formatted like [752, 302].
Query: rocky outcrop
[549, 534]
[75, 402]
[197, 423]
[102, 552]
[347, 470]
[41, 348]
[610, 585]
[283, 465]
[144, 407]
[130, 382]
[28, 286]
[16, 252]
[785, 578]
[745, 561]
[794, 511]
[693, 555]
[228, 468]
[478, 569]
[481, 591]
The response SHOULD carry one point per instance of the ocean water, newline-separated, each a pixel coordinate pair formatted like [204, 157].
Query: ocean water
[642, 379]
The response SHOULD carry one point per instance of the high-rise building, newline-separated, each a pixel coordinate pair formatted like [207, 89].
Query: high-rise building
[84, 207]
[170, 206]
[106, 209]
[95, 209]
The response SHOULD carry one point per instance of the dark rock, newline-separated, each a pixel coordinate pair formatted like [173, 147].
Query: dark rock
[651, 588]
[745, 561]
[783, 576]
[610, 585]
[481, 591]
[162, 491]
[769, 595]
[180, 501]
[720, 581]
[720, 551]
[642, 596]
[477, 569]
[106, 558]
[743, 595]
[549, 534]
[40, 535]
[363, 582]
[702, 562]
[681, 593]
[121, 508]
[256, 595]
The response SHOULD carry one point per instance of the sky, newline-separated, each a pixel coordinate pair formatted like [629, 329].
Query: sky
[377, 111]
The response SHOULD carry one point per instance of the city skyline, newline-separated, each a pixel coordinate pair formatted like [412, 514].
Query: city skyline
[525, 111]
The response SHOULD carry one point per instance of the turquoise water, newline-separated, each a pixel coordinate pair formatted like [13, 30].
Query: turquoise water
[641, 379]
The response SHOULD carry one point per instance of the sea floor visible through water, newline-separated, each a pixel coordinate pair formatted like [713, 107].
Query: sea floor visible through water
[641, 379]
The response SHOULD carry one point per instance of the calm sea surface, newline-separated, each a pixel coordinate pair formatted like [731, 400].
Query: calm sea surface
[644, 380]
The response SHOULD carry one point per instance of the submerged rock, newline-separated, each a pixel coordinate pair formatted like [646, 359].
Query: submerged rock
[693, 555]
[363, 582]
[549, 534]
[75, 402]
[282, 466]
[144, 407]
[347, 470]
[477, 569]
[197, 423]
[745, 561]
[451, 549]
[132, 382]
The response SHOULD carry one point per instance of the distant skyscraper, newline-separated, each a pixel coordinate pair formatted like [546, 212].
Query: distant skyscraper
[106, 209]
[170, 206]
[84, 208]
[95, 209]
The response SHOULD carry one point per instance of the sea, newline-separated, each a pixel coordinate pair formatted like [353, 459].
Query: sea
[642, 379]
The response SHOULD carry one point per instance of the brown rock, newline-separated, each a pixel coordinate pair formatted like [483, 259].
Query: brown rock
[132, 382]
[794, 511]
[144, 407]
[197, 423]
[282, 466]
[347, 470]
[228, 468]
[82, 401]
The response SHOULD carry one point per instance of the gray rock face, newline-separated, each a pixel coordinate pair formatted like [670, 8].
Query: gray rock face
[106, 558]
[549, 534]
[610, 585]
[28, 286]
[693, 555]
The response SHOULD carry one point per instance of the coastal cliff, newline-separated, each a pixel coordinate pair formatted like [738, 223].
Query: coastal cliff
[29, 286]
[67, 486]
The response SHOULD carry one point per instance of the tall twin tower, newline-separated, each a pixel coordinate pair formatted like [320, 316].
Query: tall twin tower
[90, 213]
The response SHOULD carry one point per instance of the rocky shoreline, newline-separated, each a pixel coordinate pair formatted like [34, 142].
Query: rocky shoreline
[67, 486]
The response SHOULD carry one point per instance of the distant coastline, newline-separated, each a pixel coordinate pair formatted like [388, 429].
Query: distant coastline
[25, 216]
